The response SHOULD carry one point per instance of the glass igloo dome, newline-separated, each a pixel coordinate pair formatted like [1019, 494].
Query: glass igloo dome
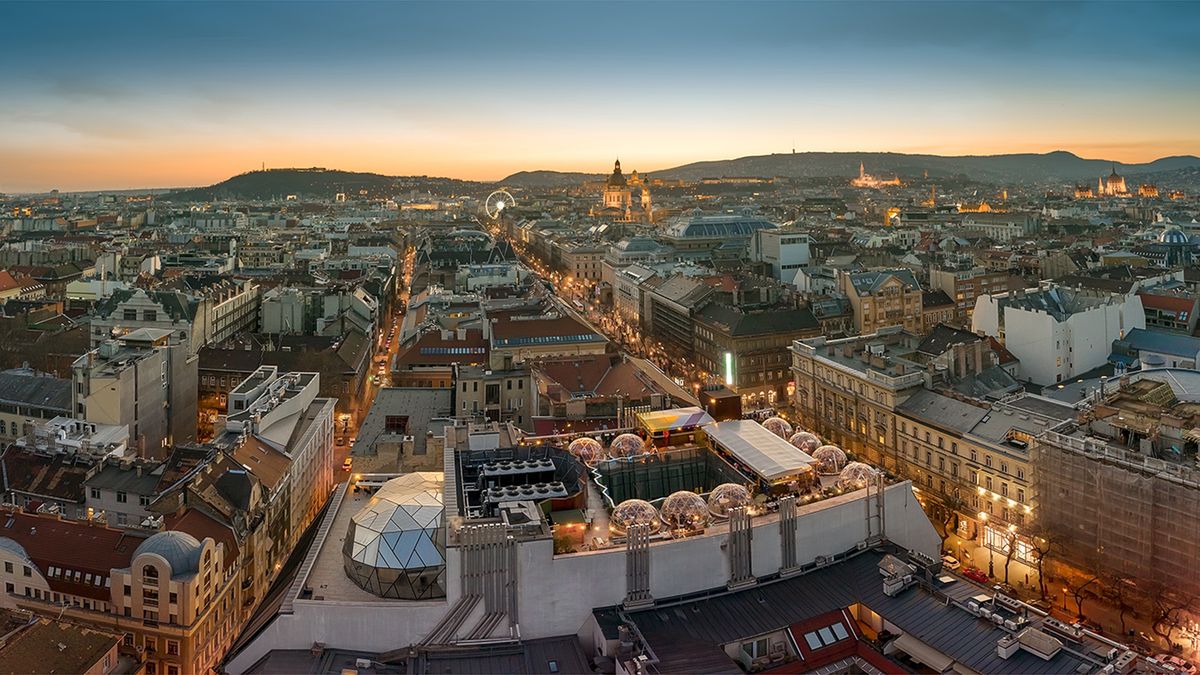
[634, 512]
[684, 510]
[805, 441]
[778, 426]
[830, 458]
[856, 475]
[627, 445]
[587, 450]
[726, 497]
[396, 545]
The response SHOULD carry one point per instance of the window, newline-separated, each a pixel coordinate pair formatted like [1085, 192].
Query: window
[988, 483]
[1020, 473]
[149, 315]
[95, 493]
[122, 497]
[1003, 467]
[987, 460]
[173, 647]
[25, 571]
[143, 500]
[1021, 495]
[8, 567]
[129, 315]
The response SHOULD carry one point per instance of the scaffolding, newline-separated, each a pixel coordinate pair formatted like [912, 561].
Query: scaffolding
[1137, 515]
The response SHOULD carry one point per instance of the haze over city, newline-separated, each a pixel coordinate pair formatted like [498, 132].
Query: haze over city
[190, 93]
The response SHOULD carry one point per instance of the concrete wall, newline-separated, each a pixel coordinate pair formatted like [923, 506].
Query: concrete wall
[557, 593]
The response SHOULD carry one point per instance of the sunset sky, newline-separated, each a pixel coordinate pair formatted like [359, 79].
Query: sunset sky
[109, 95]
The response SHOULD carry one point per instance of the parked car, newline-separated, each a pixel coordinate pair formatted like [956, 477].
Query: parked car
[1176, 662]
[950, 562]
[975, 574]
[348, 464]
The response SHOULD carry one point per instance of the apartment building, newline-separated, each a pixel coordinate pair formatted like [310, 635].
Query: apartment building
[847, 390]
[966, 282]
[147, 381]
[973, 459]
[208, 312]
[883, 298]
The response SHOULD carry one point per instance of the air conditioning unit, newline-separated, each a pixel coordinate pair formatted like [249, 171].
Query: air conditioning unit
[362, 663]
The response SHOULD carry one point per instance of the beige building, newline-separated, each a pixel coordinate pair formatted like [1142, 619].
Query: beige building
[964, 283]
[973, 462]
[883, 298]
[847, 390]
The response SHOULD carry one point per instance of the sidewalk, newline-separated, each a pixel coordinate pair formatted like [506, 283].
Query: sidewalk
[1096, 610]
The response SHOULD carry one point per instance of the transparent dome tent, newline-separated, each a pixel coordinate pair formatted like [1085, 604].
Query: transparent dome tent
[587, 450]
[856, 475]
[627, 445]
[634, 512]
[805, 441]
[684, 510]
[778, 426]
[830, 459]
[726, 497]
[395, 546]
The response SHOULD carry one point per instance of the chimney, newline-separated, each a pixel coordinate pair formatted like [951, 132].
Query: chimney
[960, 354]
[978, 356]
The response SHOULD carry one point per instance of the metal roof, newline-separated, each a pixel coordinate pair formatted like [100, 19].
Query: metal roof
[766, 454]
[723, 617]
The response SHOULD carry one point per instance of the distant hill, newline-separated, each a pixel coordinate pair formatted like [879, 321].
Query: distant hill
[549, 179]
[278, 183]
[1017, 168]
[1050, 167]
[315, 183]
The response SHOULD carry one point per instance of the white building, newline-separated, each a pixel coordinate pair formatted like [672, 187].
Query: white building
[1058, 332]
[786, 252]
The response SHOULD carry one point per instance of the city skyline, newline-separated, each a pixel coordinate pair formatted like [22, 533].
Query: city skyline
[200, 92]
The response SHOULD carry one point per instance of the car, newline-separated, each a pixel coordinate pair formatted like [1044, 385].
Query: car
[341, 440]
[975, 574]
[950, 562]
[1180, 665]
[346, 465]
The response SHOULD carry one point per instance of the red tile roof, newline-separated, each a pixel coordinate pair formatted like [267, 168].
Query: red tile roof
[49, 540]
[200, 525]
[1170, 303]
[432, 349]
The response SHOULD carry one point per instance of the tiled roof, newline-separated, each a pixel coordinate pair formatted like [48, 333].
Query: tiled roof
[200, 525]
[50, 541]
[54, 647]
[48, 393]
[58, 477]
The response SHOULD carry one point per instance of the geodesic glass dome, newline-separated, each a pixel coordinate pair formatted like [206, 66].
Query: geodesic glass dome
[396, 545]
[830, 458]
[634, 512]
[587, 450]
[778, 426]
[627, 445]
[805, 441]
[685, 510]
[856, 475]
[727, 496]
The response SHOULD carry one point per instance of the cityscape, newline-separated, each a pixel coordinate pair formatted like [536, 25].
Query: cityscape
[419, 338]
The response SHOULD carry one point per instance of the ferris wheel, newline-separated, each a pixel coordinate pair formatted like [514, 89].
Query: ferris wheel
[497, 202]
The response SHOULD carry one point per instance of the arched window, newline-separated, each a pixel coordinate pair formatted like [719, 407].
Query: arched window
[149, 574]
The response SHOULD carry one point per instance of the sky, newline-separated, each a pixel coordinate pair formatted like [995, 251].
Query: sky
[108, 95]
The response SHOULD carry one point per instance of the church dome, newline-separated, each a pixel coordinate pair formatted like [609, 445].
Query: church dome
[1173, 235]
[180, 549]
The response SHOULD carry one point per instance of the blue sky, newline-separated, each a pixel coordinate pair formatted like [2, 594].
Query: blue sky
[104, 94]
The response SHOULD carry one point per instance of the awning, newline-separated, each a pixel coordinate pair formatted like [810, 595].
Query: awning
[919, 651]
[658, 421]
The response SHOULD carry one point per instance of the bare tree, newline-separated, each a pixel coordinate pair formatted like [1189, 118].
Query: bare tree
[1010, 552]
[1167, 606]
[1120, 592]
[1044, 541]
